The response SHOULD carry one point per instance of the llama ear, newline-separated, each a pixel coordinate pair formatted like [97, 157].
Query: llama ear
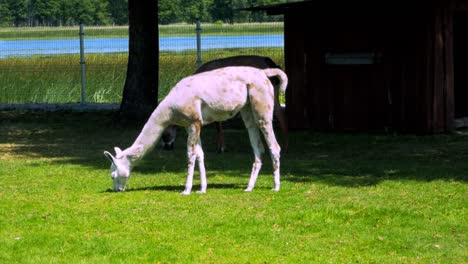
[118, 152]
[109, 156]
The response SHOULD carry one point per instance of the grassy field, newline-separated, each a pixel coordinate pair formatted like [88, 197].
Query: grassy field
[56, 79]
[122, 31]
[345, 198]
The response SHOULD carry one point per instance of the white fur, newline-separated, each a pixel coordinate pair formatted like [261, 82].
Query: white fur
[202, 99]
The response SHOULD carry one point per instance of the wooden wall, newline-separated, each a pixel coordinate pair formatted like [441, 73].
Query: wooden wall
[409, 87]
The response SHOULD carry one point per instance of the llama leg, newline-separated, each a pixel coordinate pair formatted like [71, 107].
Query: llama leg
[267, 129]
[280, 115]
[201, 166]
[262, 102]
[220, 137]
[193, 132]
[258, 149]
[257, 146]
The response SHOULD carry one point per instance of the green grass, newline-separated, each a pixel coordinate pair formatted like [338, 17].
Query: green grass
[62, 32]
[222, 30]
[56, 79]
[122, 31]
[345, 198]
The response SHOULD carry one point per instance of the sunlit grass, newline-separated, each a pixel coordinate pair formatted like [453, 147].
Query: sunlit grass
[345, 198]
[56, 79]
[122, 31]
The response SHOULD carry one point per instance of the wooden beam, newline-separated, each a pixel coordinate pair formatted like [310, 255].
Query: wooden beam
[458, 5]
[449, 70]
[437, 64]
[296, 99]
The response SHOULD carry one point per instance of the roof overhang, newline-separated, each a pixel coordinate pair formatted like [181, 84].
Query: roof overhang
[279, 9]
[362, 6]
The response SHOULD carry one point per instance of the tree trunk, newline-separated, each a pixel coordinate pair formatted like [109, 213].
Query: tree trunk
[140, 94]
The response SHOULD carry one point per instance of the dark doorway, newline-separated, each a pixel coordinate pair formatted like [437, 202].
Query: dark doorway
[357, 97]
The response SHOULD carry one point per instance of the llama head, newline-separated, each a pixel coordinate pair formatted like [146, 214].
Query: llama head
[120, 169]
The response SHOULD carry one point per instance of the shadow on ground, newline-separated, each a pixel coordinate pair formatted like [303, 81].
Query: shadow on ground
[337, 159]
[172, 188]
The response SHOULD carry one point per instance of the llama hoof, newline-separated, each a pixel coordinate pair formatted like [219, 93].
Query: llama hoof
[185, 193]
[201, 192]
[248, 190]
[276, 189]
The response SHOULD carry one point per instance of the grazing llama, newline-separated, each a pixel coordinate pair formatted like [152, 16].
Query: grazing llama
[169, 135]
[202, 99]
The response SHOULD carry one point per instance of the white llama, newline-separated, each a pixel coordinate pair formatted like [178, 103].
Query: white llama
[201, 99]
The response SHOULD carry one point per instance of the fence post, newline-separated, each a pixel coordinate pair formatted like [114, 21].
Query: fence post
[83, 67]
[198, 30]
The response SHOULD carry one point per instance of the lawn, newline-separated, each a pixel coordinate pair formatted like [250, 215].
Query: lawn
[345, 198]
[208, 29]
[56, 79]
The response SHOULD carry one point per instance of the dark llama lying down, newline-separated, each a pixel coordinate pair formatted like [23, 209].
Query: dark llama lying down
[259, 62]
[204, 98]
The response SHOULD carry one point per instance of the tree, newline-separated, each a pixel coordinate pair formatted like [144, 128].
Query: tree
[66, 13]
[222, 10]
[140, 95]
[101, 14]
[82, 12]
[118, 10]
[17, 11]
[47, 12]
[6, 17]
[91, 12]
[169, 11]
[194, 9]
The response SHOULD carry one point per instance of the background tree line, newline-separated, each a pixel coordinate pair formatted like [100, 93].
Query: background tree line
[115, 12]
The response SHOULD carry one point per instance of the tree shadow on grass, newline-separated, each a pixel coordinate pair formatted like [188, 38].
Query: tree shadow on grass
[351, 160]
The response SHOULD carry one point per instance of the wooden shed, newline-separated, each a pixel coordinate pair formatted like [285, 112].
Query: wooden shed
[382, 65]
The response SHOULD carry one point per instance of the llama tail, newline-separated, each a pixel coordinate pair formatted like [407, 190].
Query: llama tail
[279, 113]
[282, 77]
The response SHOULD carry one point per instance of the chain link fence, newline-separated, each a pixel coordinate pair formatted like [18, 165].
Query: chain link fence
[40, 67]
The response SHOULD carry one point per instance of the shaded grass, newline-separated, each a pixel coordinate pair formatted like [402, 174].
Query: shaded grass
[345, 198]
[56, 79]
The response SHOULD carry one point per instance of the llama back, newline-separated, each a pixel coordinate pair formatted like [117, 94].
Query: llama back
[242, 60]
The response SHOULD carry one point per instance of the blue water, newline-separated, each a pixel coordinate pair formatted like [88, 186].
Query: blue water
[17, 48]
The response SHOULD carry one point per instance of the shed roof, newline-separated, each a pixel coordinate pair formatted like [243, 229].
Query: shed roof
[279, 8]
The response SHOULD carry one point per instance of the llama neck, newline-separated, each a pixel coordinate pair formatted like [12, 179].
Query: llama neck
[150, 134]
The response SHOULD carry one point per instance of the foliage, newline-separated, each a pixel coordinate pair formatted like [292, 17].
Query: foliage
[223, 10]
[118, 11]
[168, 12]
[344, 199]
[106, 12]
[60, 12]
